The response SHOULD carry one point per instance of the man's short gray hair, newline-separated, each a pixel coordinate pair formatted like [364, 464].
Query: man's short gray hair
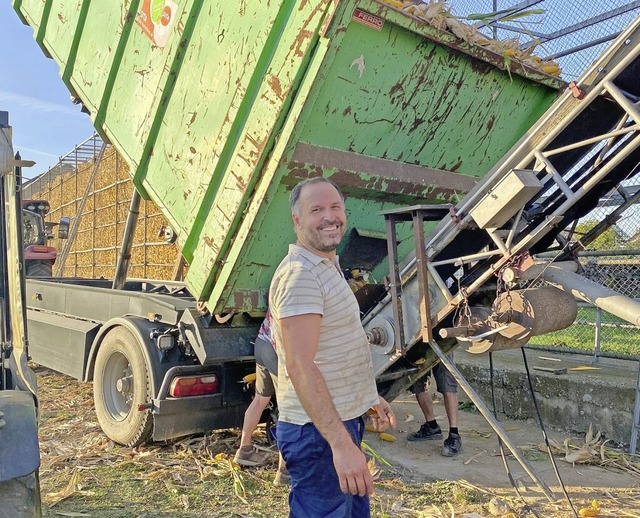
[294, 197]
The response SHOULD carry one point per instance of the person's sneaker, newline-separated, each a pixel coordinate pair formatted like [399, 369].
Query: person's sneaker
[426, 433]
[282, 479]
[452, 445]
[250, 458]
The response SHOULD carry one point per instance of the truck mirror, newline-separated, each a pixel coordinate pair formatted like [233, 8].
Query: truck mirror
[63, 228]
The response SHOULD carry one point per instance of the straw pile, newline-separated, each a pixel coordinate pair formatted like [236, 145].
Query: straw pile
[96, 247]
[594, 451]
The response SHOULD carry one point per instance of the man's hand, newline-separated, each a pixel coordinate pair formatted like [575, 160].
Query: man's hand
[352, 468]
[382, 416]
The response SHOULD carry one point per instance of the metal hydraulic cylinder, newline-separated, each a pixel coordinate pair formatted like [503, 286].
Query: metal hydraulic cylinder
[596, 294]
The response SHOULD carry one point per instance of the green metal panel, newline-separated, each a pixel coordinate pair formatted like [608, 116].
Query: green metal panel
[395, 117]
[394, 94]
[220, 108]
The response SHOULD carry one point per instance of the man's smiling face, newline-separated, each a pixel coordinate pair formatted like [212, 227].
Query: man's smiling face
[321, 221]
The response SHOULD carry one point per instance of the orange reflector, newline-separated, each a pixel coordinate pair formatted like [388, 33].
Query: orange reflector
[183, 386]
[37, 248]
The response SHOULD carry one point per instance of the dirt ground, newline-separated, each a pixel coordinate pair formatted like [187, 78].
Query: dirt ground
[480, 462]
[83, 474]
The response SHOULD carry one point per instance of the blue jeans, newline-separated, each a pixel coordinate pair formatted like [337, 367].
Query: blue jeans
[315, 489]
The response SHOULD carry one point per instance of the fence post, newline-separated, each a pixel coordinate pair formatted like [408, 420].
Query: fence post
[598, 334]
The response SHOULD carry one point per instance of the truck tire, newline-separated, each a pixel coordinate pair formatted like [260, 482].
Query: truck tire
[39, 268]
[120, 385]
[20, 497]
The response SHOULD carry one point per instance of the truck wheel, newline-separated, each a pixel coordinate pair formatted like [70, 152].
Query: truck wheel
[39, 268]
[20, 497]
[120, 385]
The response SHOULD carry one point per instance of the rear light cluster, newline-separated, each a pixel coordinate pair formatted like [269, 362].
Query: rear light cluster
[184, 386]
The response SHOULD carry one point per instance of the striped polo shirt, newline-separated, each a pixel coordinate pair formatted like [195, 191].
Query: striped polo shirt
[306, 283]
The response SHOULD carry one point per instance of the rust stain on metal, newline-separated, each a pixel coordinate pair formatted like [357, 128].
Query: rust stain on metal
[241, 184]
[377, 178]
[392, 190]
[481, 67]
[252, 299]
[329, 17]
[491, 122]
[298, 43]
[395, 88]
[276, 87]
[307, 30]
[417, 122]
[456, 166]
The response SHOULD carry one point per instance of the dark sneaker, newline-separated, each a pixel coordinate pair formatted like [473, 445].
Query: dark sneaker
[425, 434]
[452, 445]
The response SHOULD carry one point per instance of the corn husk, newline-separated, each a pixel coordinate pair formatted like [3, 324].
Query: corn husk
[437, 14]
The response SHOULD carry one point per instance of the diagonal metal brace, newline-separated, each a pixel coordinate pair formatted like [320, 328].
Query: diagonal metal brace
[488, 415]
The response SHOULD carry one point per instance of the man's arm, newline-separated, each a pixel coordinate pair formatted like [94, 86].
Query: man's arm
[300, 336]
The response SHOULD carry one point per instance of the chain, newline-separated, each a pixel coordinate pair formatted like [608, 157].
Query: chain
[463, 311]
[504, 287]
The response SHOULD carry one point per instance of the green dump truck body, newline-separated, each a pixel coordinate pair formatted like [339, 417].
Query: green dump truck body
[221, 107]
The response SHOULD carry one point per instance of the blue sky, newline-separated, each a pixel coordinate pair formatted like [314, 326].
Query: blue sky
[46, 124]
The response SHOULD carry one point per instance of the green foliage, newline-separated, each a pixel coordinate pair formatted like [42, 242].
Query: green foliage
[608, 240]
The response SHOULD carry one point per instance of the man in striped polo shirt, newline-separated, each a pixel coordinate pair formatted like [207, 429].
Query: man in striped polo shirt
[325, 373]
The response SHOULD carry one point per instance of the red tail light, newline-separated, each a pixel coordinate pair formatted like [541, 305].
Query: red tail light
[183, 386]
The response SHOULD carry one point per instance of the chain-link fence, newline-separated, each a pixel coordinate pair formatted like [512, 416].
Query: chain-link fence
[574, 34]
[613, 260]
[571, 33]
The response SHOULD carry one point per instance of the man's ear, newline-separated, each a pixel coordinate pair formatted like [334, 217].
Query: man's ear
[296, 220]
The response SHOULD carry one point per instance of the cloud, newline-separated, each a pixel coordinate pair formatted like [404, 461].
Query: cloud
[32, 150]
[37, 104]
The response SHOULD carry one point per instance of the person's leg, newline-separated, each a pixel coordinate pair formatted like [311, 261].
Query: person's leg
[247, 455]
[451, 408]
[430, 429]
[282, 478]
[315, 489]
[448, 387]
[252, 418]
[425, 402]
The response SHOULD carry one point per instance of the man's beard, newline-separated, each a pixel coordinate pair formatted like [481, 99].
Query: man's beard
[325, 243]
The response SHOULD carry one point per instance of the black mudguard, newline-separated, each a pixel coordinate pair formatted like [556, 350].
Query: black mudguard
[19, 456]
[19, 453]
